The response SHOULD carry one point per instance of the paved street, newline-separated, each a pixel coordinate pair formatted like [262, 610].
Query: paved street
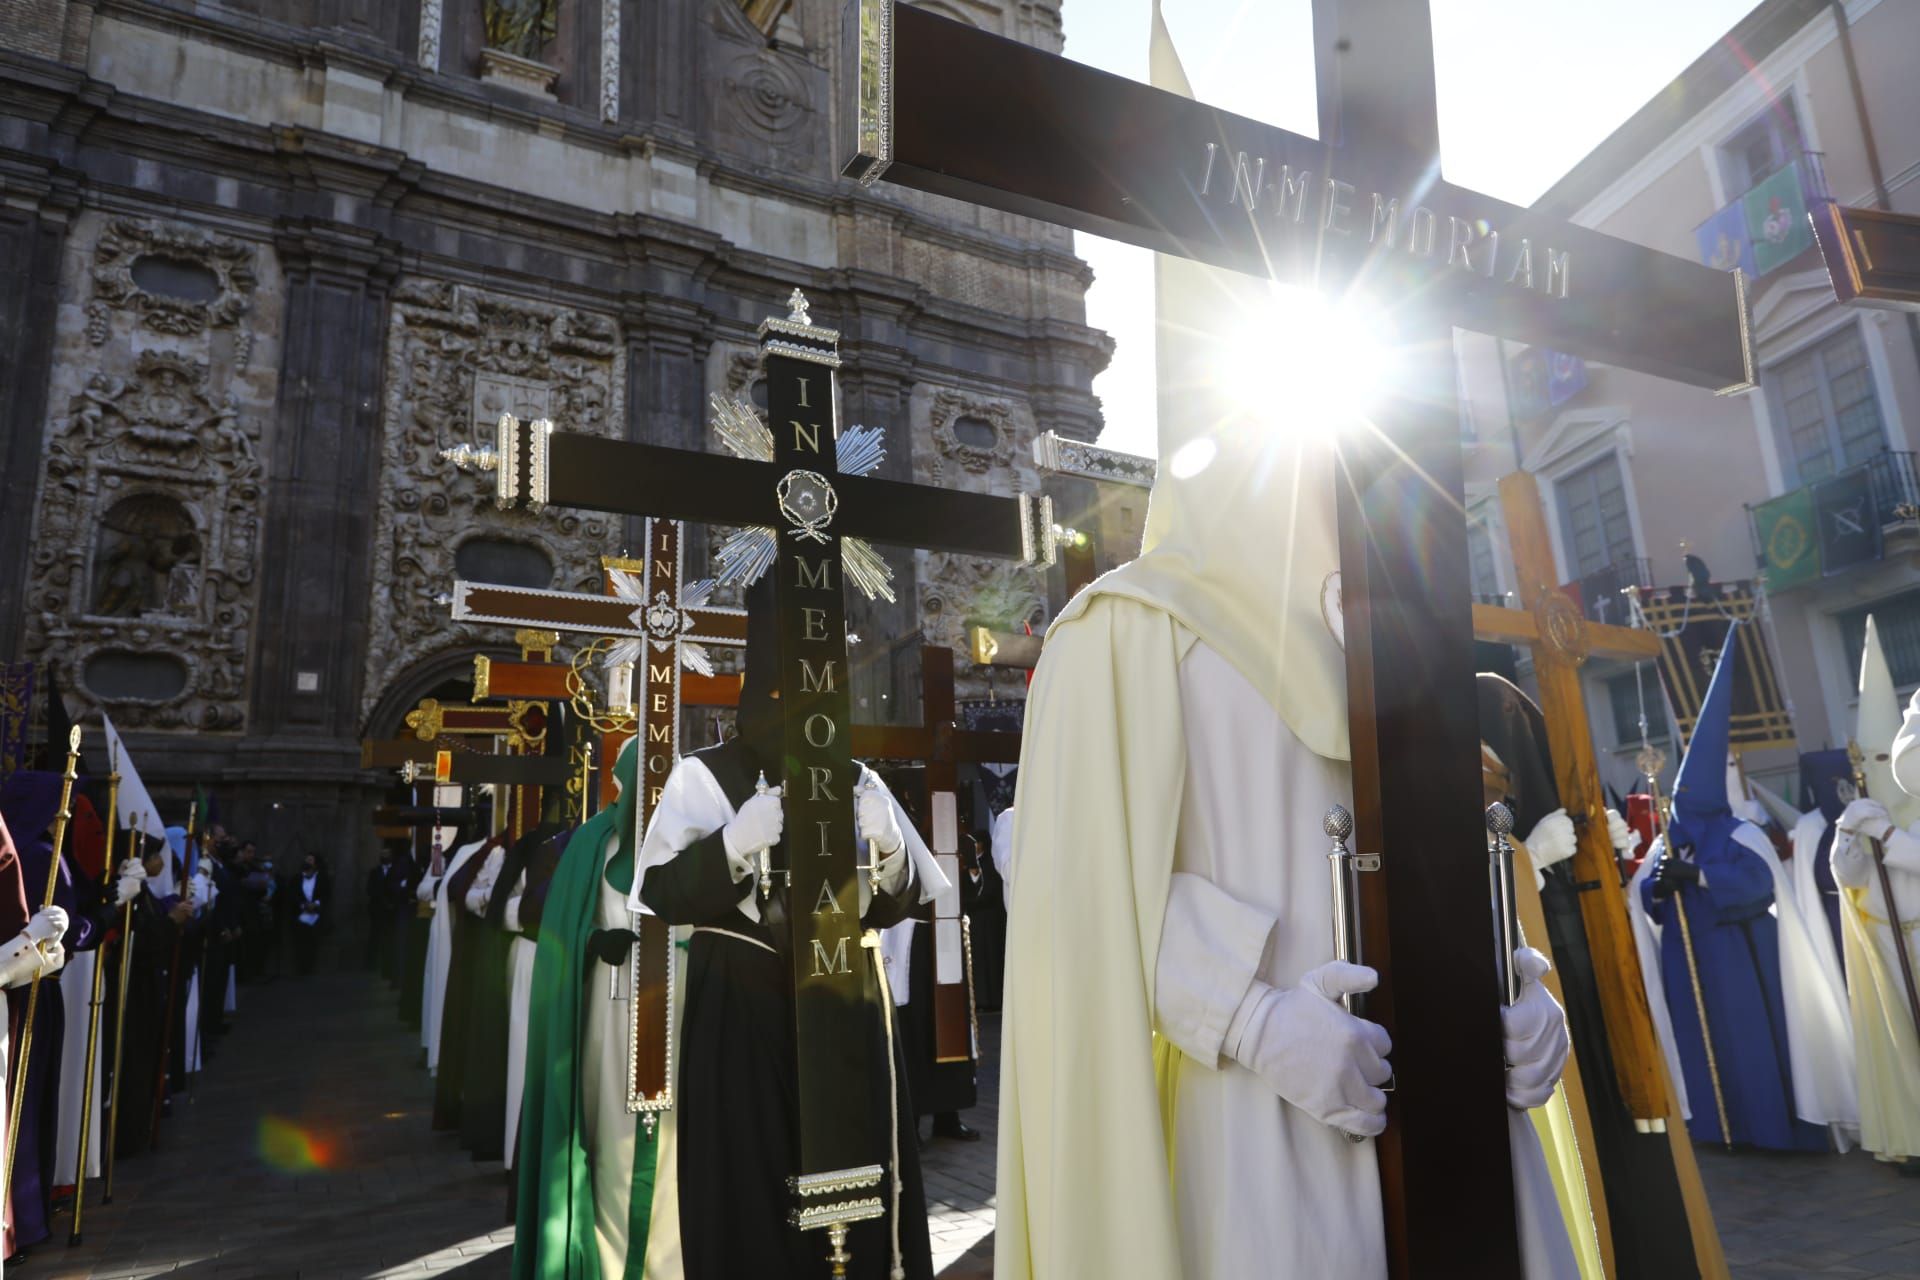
[307, 1153]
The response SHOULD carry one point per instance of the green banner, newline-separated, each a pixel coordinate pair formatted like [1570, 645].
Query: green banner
[1785, 529]
[1777, 220]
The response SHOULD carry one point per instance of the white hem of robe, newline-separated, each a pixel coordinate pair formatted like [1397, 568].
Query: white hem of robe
[76, 991]
[433, 994]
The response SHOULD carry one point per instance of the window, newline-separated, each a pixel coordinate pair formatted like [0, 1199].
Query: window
[1593, 517]
[1829, 414]
[1480, 562]
[1897, 619]
[1625, 696]
[1765, 143]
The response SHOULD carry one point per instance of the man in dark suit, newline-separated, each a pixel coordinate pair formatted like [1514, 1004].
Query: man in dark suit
[309, 897]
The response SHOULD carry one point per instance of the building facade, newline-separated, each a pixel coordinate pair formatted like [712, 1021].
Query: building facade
[261, 262]
[1803, 101]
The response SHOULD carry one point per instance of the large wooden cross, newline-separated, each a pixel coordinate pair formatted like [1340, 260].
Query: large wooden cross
[1361, 211]
[790, 481]
[644, 605]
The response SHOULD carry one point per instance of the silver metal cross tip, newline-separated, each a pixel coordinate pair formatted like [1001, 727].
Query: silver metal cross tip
[465, 457]
[798, 307]
[1499, 819]
[1338, 823]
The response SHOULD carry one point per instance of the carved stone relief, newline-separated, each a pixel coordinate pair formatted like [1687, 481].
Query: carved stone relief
[457, 358]
[982, 444]
[770, 88]
[148, 523]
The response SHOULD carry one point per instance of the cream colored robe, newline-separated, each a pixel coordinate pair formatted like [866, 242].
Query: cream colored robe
[1133, 937]
[433, 991]
[1885, 1044]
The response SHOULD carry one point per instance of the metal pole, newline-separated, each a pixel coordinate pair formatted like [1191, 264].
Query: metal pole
[93, 1011]
[1693, 975]
[60, 820]
[119, 1031]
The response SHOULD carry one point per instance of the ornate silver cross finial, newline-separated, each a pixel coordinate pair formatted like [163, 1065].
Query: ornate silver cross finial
[798, 308]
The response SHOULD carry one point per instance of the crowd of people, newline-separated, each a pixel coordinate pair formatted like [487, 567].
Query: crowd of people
[131, 959]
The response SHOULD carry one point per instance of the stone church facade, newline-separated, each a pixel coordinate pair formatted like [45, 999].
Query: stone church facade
[260, 262]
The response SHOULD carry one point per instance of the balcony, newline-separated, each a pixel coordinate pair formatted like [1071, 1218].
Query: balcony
[1839, 523]
[1766, 227]
[1601, 594]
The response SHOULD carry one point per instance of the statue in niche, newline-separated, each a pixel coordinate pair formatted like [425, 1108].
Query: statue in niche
[521, 27]
[146, 559]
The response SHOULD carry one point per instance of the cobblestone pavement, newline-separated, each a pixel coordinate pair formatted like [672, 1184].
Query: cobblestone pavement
[307, 1153]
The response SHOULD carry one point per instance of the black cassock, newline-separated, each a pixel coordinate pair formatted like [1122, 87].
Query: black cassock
[739, 1094]
[1650, 1232]
[148, 979]
[937, 1087]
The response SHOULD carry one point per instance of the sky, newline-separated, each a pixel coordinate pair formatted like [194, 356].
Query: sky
[1526, 88]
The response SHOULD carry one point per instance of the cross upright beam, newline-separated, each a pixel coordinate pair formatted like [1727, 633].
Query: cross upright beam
[1363, 211]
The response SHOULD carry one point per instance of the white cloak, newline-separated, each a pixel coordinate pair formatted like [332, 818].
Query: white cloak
[1806, 889]
[76, 993]
[520, 956]
[433, 992]
[1886, 1043]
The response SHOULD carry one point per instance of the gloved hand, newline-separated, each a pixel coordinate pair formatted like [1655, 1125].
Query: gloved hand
[610, 946]
[757, 825]
[1672, 873]
[1866, 817]
[133, 874]
[1316, 1055]
[1553, 839]
[49, 925]
[1625, 839]
[878, 827]
[1533, 1032]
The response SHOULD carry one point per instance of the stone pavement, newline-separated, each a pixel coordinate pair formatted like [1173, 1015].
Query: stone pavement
[307, 1153]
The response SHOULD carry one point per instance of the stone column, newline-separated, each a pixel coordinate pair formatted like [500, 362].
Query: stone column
[310, 646]
[31, 242]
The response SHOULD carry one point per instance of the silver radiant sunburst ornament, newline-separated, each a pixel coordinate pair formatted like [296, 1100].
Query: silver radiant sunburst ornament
[662, 620]
[807, 500]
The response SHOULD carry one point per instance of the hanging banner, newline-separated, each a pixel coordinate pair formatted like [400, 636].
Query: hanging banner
[1777, 220]
[1788, 548]
[16, 710]
[1723, 240]
[1693, 631]
[1848, 521]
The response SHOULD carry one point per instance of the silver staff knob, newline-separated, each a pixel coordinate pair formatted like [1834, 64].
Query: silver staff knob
[466, 457]
[1499, 819]
[1338, 824]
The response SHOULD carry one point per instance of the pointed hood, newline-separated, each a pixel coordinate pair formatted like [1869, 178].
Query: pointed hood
[1876, 725]
[1821, 773]
[1701, 808]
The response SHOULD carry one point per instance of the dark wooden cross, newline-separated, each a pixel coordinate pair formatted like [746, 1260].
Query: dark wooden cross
[666, 632]
[1363, 209]
[801, 493]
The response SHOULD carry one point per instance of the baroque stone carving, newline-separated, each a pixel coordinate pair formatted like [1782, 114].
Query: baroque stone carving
[154, 475]
[975, 456]
[430, 34]
[520, 27]
[458, 357]
[957, 592]
[766, 94]
[128, 243]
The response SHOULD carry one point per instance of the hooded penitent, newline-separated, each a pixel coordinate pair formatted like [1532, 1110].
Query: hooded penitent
[1781, 1067]
[1876, 725]
[554, 1236]
[1822, 775]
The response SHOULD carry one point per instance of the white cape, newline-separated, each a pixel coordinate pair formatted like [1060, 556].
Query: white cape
[1806, 890]
[76, 992]
[433, 992]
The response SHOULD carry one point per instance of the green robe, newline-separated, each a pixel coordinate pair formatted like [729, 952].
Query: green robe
[554, 1227]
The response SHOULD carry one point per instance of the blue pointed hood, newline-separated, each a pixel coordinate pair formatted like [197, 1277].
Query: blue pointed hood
[1700, 808]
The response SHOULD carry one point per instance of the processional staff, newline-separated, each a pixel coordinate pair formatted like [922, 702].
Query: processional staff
[60, 820]
[174, 995]
[107, 878]
[1900, 948]
[119, 1021]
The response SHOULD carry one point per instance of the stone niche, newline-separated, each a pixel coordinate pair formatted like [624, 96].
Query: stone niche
[147, 526]
[457, 358]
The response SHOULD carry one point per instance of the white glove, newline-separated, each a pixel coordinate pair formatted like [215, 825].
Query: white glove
[1553, 839]
[1308, 1049]
[757, 825]
[1534, 1034]
[878, 827]
[1867, 817]
[1625, 839]
[127, 887]
[49, 925]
